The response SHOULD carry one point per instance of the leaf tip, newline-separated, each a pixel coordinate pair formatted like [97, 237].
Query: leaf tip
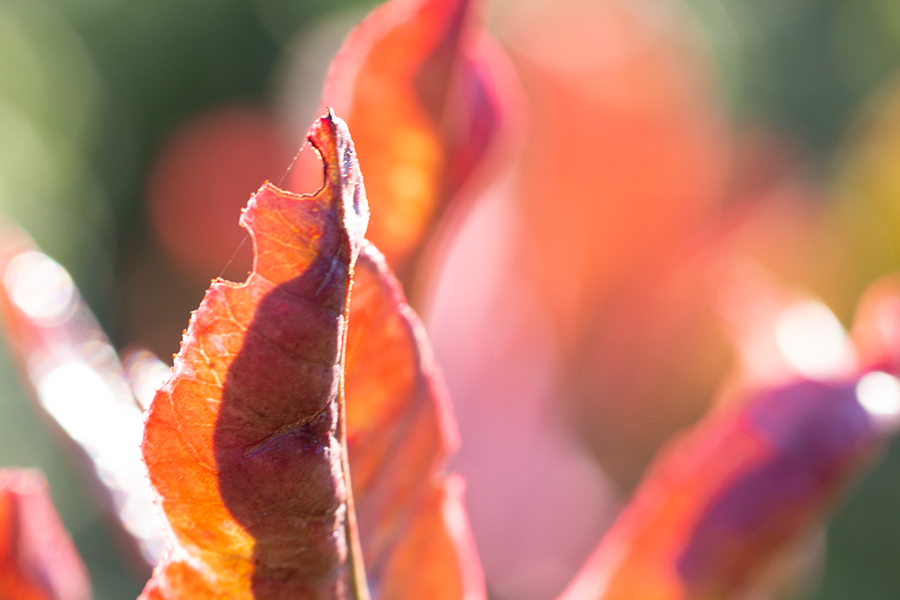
[330, 137]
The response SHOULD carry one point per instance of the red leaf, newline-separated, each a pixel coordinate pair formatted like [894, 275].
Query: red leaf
[420, 86]
[243, 443]
[37, 558]
[723, 499]
[631, 391]
[400, 431]
[626, 152]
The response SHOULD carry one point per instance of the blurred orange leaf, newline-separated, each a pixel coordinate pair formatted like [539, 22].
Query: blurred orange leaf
[626, 153]
[37, 559]
[725, 497]
[419, 84]
[630, 391]
[400, 431]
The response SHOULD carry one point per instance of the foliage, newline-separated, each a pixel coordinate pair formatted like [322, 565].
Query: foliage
[299, 446]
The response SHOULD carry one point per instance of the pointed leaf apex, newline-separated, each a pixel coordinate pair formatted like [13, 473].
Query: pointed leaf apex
[330, 137]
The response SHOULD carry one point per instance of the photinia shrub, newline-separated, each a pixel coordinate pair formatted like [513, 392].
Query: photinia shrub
[298, 447]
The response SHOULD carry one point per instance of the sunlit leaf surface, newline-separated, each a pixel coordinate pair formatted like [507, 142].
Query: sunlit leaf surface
[244, 442]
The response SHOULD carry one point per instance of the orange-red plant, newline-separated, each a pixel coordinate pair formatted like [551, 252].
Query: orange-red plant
[252, 441]
[425, 92]
[298, 449]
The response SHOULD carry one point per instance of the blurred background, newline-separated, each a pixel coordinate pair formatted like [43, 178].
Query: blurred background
[131, 134]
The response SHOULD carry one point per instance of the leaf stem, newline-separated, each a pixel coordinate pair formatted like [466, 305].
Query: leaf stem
[359, 585]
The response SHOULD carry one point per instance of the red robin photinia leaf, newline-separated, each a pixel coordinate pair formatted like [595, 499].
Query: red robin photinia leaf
[626, 150]
[729, 495]
[37, 559]
[420, 86]
[244, 443]
[631, 392]
[400, 430]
